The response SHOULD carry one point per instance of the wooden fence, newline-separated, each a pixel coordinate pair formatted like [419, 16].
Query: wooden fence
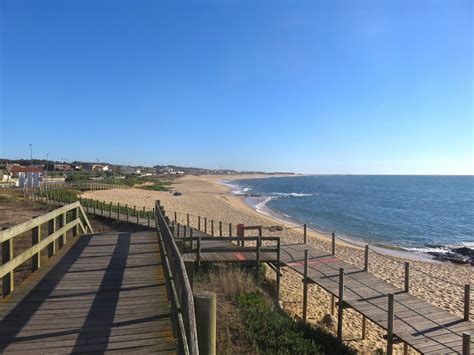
[60, 221]
[178, 286]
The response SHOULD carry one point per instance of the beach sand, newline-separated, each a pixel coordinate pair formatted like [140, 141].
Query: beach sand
[204, 196]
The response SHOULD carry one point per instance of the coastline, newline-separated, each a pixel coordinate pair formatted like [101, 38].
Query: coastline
[261, 208]
[205, 196]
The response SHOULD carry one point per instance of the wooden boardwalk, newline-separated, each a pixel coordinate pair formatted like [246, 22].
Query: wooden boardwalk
[426, 328]
[103, 293]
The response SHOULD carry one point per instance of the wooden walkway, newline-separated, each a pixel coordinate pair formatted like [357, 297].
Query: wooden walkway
[426, 328]
[103, 293]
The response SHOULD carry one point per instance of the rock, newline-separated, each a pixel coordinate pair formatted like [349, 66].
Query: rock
[329, 321]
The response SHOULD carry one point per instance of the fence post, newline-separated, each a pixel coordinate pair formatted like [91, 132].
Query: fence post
[333, 236]
[205, 305]
[95, 204]
[175, 217]
[230, 230]
[390, 325]
[177, 230]
[205, 225]
[407, 276]
[51, 230]
[257, 266]
[187, 219]
[220, 228]
[102, 209]
[366, 259]
[75, 215]
[127, 212]
[198, 252]
[466, 343]
[304, 233]
[199, 223]
[8, 283]
[148, 215]
[278, 271]
[340, 305]
[212, 227]
[110, 210]
[467, 299]
[364, 327]
[143, 212]
[118, 211]
[305, 286]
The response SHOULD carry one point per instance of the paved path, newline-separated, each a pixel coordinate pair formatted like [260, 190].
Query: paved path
[103, 293]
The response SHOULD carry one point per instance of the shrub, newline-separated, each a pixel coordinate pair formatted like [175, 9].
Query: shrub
[272, 333]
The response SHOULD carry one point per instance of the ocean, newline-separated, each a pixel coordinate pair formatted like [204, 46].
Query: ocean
[416, 213]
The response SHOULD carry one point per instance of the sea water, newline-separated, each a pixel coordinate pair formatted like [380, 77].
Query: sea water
[418, 213]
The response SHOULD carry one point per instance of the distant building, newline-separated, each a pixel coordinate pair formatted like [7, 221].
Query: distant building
[28, 176]
[62, 167]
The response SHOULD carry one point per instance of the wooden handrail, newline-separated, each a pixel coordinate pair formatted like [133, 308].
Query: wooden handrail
[178, 286]
[55, 236]
[28, 225]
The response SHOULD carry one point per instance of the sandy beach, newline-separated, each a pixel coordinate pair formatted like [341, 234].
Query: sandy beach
[204, 196]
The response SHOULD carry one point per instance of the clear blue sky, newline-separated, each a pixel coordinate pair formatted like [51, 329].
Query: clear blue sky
[314, 86]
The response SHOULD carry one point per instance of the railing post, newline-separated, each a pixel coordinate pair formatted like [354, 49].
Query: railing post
[390, 325]
[212, 227]
[278, 271]
[220, 229]
[257, 261]
[467, 299]
[35, 239]
[199, 223]
[95, 204]
[198, 252]
[110, 210]
[102, 209]
[205, 305]
[51, 230]
[304, 233]
[333, 237]
[407, 276]
[364, 327]
[75, 215]
[187, 220]
[118, 211]
[175, 217]
[205, 225]
[127, 212]
[148, 215]
[340, 305]
[8, 283]
[177, 230]
[305, 286]
[366, 258]
[466, 343]
[230, 230]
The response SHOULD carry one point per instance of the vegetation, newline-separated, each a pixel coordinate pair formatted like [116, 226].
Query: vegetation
[250, 322]
[157, 186]
[272, 332]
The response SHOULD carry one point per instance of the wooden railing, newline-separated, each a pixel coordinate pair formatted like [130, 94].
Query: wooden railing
[60, 221]
[178, 286]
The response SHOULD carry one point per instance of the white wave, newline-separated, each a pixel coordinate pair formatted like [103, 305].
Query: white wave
[292, 194]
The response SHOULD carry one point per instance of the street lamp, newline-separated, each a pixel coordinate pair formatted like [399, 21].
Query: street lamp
[31, 154]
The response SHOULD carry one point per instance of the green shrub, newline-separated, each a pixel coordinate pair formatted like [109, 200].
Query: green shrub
[272, 333]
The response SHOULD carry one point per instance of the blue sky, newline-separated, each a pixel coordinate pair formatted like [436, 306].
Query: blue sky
[313, 86]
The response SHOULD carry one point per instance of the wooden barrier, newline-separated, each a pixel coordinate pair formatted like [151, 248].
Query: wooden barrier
[55, 236]
[179, 289]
